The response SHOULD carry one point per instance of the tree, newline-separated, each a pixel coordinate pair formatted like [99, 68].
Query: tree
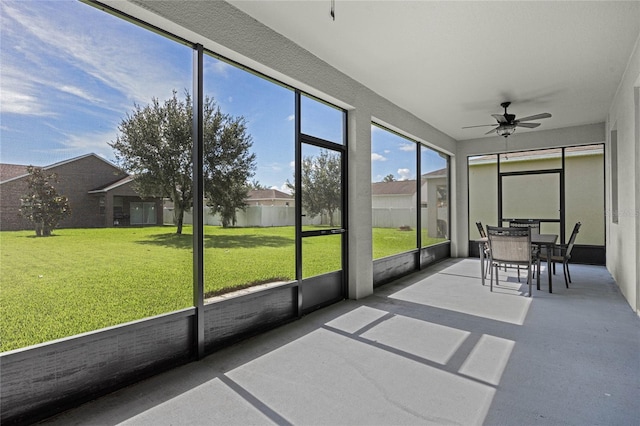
[389, 178]
[155, 145]
[42, 204]
[228, 165]
[321, 184]
[256, 185]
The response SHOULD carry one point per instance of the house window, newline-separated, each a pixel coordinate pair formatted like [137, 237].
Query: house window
[101, 205]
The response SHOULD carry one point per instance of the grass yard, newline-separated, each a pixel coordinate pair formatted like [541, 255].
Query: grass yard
[81, 280]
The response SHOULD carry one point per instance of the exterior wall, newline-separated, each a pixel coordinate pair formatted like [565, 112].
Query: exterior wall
[623, 238]
[391, 201]
[76, 179]
[10, 193]
[584, 175]
[79, 177]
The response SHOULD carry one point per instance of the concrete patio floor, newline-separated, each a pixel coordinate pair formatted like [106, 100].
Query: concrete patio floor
[435, 347]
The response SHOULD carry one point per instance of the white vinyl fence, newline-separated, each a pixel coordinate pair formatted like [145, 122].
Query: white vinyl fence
[252, 216]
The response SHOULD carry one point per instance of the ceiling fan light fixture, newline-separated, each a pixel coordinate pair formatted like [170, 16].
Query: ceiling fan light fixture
[506, 130]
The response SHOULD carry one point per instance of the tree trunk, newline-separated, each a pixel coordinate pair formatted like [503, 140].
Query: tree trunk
[38, 227]
[179, 218]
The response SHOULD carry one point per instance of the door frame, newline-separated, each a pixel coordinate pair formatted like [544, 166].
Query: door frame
[561, 218]
[322, 290]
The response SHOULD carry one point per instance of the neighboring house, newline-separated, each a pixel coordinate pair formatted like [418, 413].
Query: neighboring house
[398, 194]
[393, 203]
[269, 197]
[403, 193]
[99, 193]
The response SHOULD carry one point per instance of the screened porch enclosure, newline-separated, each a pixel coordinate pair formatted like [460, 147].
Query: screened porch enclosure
[558, 187]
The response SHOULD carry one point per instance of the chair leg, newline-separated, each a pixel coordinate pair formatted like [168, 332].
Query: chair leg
[491, 278]
[529, 279]
[568, 273]
[538, 277]
[518, 273]
[487, 266]
[566, 270]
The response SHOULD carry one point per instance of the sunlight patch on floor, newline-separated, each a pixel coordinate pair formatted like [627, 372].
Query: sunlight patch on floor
[488, 359]
[427, 340]
[467, 295]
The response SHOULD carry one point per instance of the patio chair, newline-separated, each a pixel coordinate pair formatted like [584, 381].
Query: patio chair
[562, 254]
[511, 246]
[486, 247]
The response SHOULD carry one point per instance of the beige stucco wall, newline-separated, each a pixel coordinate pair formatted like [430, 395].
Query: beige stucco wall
[584, 181]
[540, 139]
[584, 195]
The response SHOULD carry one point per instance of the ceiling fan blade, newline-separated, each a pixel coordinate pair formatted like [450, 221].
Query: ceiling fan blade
[481, 125]
[492, 131]
[529, 125]
[499, 117]
[536, 117]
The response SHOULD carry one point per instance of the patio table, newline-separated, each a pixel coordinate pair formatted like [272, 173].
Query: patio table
[546, 240]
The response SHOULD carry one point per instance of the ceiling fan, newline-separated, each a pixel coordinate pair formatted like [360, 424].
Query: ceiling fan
[507, 123]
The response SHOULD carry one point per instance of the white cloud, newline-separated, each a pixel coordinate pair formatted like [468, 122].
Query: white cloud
[218, 67]
[386, 151]
[292, 165]
[377, 157]
[126, 63]
[77, 91]
[78, 144]
[291, 117]
[20, 103]
[404, 174]
[408, 147]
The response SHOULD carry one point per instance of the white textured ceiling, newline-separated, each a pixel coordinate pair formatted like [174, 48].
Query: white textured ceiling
[452, 63]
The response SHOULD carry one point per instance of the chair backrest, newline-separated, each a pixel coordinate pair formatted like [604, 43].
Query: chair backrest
[572, 240]
[481, 230]
[510, 244]
[526, 223]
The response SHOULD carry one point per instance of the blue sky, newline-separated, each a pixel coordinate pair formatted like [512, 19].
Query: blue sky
[70, 73]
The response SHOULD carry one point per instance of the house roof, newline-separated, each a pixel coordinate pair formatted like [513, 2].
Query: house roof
[10, 171]
[440, 173]
[112, 185]
[17, 171]
[267, 194]
[396, 187]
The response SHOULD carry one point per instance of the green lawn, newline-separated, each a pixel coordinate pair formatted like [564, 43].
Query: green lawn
[80, 280]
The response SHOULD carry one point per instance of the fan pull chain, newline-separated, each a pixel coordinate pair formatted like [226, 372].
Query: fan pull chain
[333, 9]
